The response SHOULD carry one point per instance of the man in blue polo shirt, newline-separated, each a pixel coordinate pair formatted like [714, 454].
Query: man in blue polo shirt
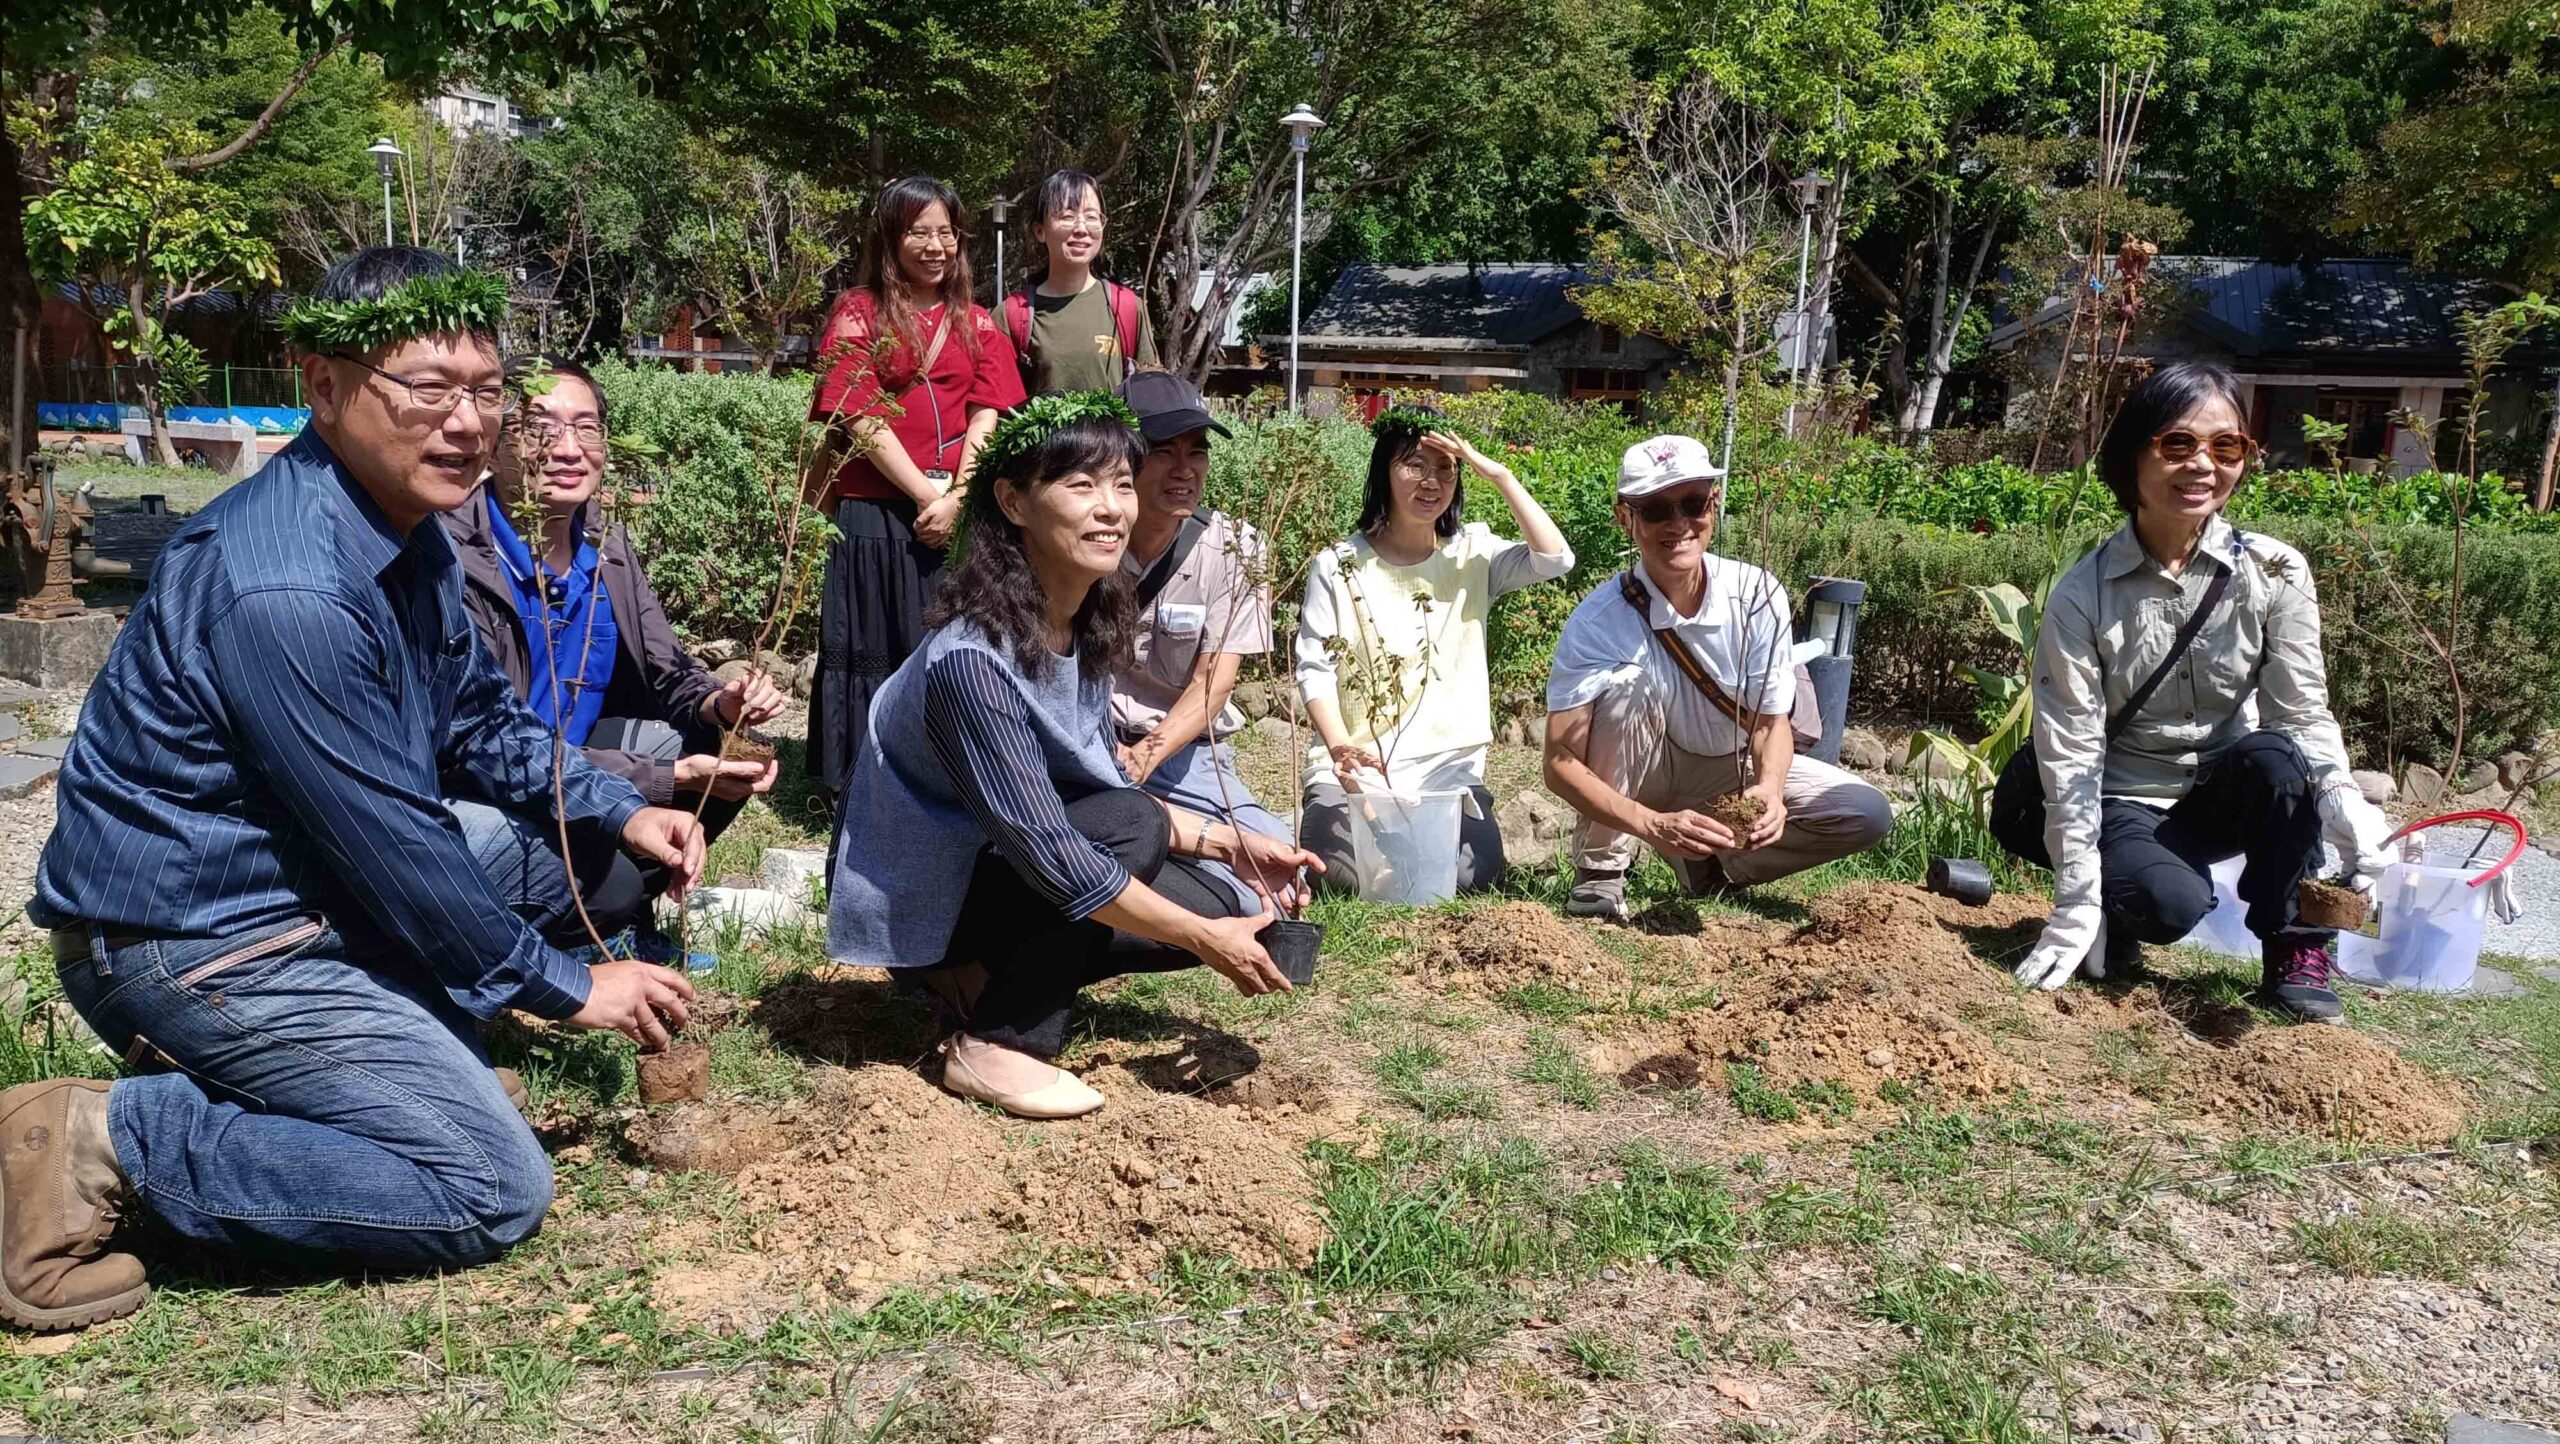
[254, 885]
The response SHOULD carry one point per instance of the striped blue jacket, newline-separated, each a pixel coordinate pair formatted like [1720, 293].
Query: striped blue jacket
[273, 736]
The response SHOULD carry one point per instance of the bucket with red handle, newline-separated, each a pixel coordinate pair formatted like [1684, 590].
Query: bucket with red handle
[2431, 919]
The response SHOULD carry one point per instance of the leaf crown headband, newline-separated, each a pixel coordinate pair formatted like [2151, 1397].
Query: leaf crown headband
[421, 306]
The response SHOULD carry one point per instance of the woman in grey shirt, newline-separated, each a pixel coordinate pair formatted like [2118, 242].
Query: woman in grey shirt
[2235, 752]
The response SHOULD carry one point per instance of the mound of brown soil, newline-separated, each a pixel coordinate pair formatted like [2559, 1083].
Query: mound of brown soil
[1889, 982]
[1873, 988]
[882, 1178]
[708, 1137]
[2329, 1081]
[1517, 944]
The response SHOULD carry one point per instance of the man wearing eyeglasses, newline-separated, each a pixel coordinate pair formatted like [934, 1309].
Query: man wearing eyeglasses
[257, 896]
[560, 601]
[1672, 687]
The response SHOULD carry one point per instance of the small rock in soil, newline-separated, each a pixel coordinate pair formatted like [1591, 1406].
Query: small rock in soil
[2422, 784]
[1863, 751]
[2377, 787]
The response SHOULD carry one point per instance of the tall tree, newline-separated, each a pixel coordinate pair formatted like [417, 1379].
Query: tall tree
[1200, 165]
[122, 224]
[47, 44]
[2464, 176]
[755, 245]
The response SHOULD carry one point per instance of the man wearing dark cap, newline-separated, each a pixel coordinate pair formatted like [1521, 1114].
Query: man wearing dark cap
[1204, 605]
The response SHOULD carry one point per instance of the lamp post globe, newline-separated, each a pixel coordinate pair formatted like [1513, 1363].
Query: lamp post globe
[1000, 211]
[386, 154]
[1302, 123]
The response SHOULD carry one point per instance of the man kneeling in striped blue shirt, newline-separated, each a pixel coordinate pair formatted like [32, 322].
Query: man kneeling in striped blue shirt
[254, 884]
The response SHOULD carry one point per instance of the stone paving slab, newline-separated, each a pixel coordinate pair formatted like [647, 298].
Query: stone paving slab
[2465, 1429]
[51, 748]
[11, 729]
[21, 775]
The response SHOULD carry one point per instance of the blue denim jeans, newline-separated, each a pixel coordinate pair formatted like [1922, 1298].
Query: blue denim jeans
[317, 1108]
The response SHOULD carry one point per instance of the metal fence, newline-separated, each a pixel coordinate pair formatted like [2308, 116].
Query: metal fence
[228, 386]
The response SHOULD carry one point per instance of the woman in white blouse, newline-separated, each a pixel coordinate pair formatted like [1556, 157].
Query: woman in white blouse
[1391, 645]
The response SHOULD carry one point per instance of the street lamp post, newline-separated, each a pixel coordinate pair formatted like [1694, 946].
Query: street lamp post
[1808, 193]
[1302, 124]
[999, 211]
[387, 155]
[459, 218]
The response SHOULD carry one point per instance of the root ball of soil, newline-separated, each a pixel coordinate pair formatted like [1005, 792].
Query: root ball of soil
[1738, 811]
[746, 747]
[2327, 905]
[681, 1074]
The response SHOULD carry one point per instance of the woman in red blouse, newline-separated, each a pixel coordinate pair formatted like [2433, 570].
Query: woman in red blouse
[909, 392]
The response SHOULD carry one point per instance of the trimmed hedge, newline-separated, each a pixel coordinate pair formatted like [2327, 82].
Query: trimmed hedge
[710, 538]
[1918, 536]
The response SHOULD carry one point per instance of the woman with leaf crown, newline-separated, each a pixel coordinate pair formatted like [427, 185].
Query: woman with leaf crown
[1005, 862]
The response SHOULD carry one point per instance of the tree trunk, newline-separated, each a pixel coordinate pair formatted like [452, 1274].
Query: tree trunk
[24, 312]
[1826, 265]
[2542, 487]
[146, 371]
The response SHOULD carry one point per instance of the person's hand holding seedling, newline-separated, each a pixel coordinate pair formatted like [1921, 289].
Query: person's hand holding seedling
[747, 701]
[670, 836]
[732, 779]
[1686, 834]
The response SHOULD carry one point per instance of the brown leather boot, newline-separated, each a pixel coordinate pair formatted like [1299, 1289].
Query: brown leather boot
[512, 1082]
[58, 1187]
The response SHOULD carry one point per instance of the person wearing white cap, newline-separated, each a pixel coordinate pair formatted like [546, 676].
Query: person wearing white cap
[1672, 687]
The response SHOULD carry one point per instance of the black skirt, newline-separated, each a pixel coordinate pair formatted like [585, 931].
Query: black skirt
[879, 580]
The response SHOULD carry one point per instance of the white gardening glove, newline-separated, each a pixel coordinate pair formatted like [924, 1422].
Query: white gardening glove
[2357, 832]
[2072, 936]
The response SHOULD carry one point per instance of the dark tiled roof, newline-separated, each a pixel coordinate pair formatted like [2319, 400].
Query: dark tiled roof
[267, 305]
[1505, 305]
[2337, 310]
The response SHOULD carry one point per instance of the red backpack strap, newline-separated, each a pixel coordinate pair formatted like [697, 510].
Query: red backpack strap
[1124, 319]
[1016, 312]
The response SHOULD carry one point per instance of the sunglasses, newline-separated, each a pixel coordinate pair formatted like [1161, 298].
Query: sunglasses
[2229, 448]
[1654, 511]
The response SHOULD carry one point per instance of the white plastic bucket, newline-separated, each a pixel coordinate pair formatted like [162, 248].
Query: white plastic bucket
[1406, 847]
[2431, 923]
[2225, 930]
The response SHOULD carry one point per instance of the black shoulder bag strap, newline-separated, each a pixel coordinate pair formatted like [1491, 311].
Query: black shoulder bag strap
[2187, 634]
[1681, 657]
[1153, 582]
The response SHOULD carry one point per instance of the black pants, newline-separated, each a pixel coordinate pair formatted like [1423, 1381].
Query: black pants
[1324, 828]
[1037, 958]
[2255, 801]
[879, 579]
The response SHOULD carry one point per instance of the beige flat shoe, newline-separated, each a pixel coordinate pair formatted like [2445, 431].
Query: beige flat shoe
[1064, 1097]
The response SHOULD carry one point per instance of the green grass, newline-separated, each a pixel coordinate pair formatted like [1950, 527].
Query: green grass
[2385, 1241]
[1409, 1072]
[1825, 1099]
[1561, 1071]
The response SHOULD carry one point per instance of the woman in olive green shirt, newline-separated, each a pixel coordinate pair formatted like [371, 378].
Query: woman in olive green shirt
[1073, 330]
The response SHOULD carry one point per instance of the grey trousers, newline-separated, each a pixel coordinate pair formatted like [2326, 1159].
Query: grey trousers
[1830, 813]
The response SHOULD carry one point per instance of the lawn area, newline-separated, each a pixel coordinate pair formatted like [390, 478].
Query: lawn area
[1774, 1171]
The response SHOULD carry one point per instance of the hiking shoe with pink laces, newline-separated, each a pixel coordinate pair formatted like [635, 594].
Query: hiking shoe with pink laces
[2301, 979]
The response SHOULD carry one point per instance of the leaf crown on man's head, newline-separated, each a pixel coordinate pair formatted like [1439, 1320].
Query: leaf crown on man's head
[1037, 419]
[467, 301]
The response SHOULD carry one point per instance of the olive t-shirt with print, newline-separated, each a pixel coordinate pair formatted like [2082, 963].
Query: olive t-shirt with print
[1075, 343]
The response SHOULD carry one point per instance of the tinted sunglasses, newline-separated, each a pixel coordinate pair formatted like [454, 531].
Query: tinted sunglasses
[1654, 511]
[2229, 448]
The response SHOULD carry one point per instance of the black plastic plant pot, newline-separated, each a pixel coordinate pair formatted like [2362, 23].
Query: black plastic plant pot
[1961, 878]
[1293, 946]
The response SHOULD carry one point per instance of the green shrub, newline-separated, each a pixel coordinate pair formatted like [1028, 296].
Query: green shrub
[711, 537]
